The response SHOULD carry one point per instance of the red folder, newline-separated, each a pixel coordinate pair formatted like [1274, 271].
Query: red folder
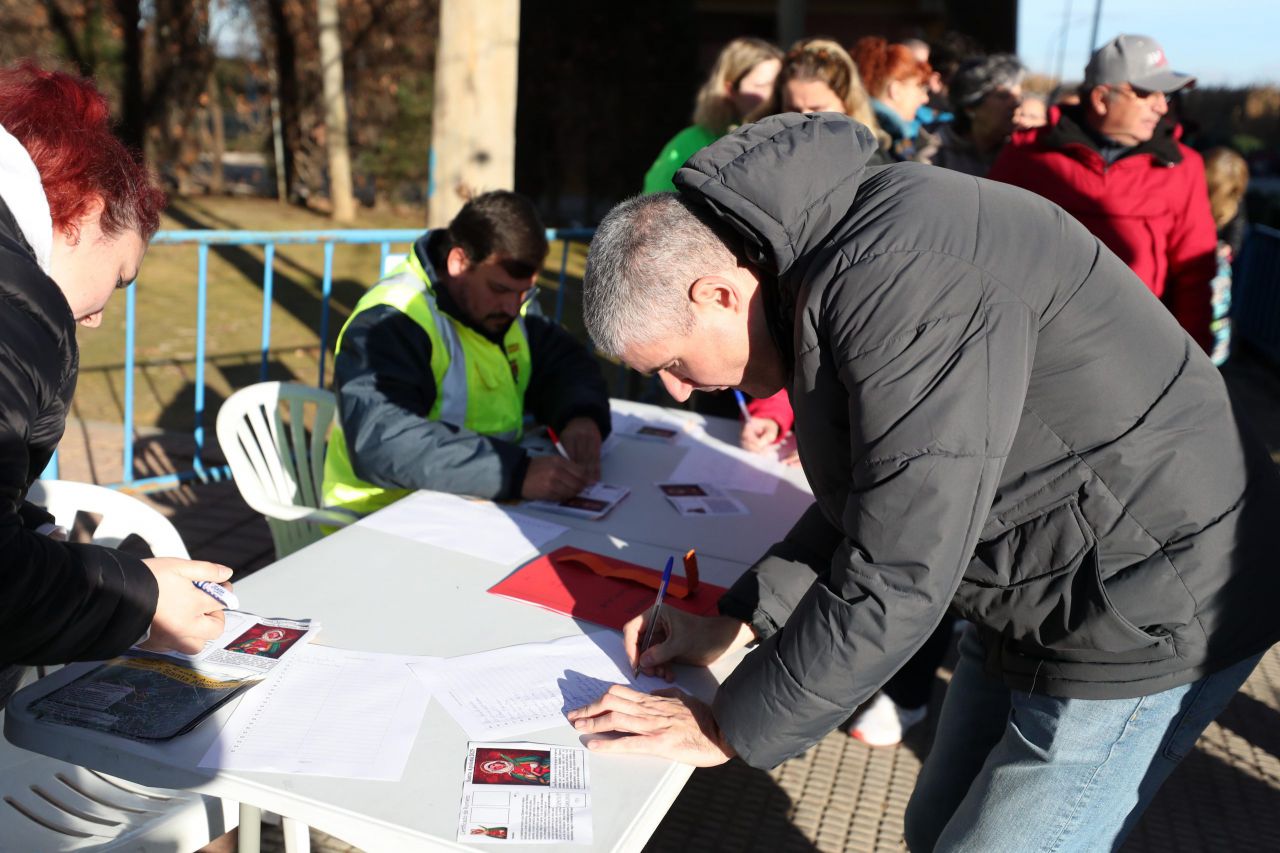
[604, 590]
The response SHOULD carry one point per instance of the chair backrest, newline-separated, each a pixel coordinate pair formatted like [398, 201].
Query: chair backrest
[274, 436]
[121, 514]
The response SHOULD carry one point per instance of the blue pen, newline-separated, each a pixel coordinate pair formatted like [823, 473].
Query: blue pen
[657, 608]
[218, 592]
[742, 404]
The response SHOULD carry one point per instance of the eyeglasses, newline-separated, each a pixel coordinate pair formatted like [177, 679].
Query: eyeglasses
[1141, 94]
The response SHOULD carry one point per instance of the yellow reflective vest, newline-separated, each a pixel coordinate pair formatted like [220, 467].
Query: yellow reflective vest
[480, 385]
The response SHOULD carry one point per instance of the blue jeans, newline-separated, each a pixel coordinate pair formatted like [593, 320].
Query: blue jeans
[1018, 772]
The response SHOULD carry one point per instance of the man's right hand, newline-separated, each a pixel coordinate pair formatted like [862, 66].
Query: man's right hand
[759, 434]
[553, 478]
[186, 617]
[682, 637]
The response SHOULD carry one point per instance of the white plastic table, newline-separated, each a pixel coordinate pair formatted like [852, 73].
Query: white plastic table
[377, 592]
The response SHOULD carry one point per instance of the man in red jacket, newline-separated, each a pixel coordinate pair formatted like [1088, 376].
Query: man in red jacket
[1114, 165]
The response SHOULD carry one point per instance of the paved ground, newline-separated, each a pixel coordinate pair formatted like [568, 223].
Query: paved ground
[841, 795]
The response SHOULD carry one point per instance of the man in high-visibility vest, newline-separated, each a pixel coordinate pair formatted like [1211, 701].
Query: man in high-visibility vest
[439, 362]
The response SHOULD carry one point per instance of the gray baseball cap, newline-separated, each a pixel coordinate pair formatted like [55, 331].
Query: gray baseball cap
[1136, 60]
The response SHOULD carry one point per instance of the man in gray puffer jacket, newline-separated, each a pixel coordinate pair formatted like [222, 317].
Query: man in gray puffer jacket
[994, 414]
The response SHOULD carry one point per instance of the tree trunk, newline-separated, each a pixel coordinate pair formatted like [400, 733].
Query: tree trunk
[133, 98]
[286, 86]
[335, 113]
[217, 180]
[474, 126]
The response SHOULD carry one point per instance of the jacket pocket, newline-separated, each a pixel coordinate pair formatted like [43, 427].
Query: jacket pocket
[1046, 544]
[1040, 585]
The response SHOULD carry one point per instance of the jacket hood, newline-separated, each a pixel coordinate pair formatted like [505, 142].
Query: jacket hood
[23, 192]
[782, 183]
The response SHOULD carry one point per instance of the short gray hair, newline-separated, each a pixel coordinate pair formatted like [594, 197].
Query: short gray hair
[976, 78]
[644, 256]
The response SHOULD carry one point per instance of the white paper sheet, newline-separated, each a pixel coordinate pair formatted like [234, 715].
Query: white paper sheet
[478, 528]
[529, 688]
[729, 467]
[327, 712]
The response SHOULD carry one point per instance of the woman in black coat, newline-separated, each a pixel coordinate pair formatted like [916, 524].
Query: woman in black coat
[76, 213]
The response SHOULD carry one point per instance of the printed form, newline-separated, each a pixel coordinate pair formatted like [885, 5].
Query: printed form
[327, 712]
[530, 687]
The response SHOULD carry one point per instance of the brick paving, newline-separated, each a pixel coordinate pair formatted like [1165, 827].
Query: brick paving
[841, 795]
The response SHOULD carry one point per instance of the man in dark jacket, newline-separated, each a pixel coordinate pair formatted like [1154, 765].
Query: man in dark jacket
[994, 414]
[1114, 164]
[438, 364]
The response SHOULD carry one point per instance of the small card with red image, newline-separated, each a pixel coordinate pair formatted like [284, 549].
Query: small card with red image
[525, 793]
[604, 590]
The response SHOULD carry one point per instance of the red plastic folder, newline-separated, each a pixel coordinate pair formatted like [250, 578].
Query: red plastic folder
[603, 590]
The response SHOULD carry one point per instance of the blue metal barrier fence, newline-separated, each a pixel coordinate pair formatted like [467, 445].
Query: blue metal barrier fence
[202, 240]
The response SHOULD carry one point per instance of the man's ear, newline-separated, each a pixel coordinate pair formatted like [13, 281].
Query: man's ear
[457, 262]
[714, 291]
[1098, 101]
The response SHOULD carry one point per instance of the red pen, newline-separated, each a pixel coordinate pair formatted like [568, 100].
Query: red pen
[555, 439]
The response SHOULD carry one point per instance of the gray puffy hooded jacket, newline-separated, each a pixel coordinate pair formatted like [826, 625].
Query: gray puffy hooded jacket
[995, 414]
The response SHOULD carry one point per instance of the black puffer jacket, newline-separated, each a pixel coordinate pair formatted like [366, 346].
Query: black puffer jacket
[58, 602]
[992, 410]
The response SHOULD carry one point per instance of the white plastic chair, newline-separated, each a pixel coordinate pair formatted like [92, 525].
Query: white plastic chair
[122, 515]
[278, 462]
[46, 804]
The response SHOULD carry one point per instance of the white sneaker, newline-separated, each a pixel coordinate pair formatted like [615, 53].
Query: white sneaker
[883, 723]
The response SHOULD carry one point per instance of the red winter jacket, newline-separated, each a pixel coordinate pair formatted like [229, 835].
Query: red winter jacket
[1150, 207]
[776, 408]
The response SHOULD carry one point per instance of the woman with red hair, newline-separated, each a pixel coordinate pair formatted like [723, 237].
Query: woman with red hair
[898, 83]
[76, 212]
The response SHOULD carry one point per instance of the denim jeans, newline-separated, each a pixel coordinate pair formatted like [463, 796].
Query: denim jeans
[1018, 772]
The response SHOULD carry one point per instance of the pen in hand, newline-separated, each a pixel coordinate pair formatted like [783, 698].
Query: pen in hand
[219, 593]
[742, 404]
[555, 439]
[657, 609]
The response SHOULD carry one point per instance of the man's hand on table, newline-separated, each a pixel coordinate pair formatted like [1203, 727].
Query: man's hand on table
[581, 439]
[669, 723]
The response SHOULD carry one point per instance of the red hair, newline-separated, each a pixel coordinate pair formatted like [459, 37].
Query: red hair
[881, 63]
[64, 124]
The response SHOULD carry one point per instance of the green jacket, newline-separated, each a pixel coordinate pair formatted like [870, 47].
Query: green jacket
[682, 146]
